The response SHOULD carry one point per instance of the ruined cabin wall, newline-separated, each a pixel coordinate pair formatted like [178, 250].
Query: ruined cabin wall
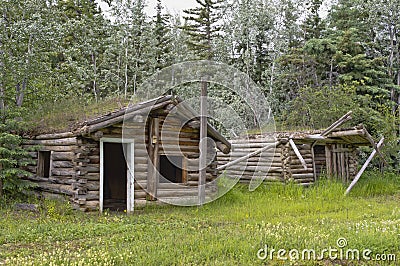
[267, 165]
[295, 169]
[334, 159]
[279, 165]
[72, 174]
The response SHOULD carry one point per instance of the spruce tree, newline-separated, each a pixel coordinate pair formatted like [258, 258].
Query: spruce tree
[161, 29]
[201, 25]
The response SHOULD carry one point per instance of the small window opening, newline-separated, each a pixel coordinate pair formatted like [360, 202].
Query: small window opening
[171, 169]
[44, 160]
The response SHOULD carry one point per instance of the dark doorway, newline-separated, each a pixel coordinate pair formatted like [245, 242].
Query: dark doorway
[44, 162]
[115, 177]
[170, 169]
[319, 159]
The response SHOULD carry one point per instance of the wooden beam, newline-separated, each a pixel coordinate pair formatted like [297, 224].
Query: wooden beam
[297, 152]
[364, 166]
[95, 127]
[150, 165]
[203, 143]
[55, 136]
[372, 141]
[254, 153]
[154, 177]
[339, 122]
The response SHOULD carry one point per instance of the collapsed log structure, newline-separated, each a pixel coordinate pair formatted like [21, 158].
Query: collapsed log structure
[299, 157]
[148, 151]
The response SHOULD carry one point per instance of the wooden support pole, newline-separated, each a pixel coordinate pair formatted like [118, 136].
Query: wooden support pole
[254, 153]
[297, 152]
[364, 166]
[153, 174]
[203, 143]
[339, 122]
[371, 140]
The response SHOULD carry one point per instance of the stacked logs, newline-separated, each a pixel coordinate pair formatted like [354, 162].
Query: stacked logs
[266, 165]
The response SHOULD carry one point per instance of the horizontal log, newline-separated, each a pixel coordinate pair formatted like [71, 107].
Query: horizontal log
[88, 169]
[63, 172]
[296, 165]
[92, 176]
[172, 193]
[253, 160]
[300, 170]
[55, 136]
[62, 156]
[238, 154]
[268, 178]
[63, 164]
[141, 176]
[307, 175]
[134, 111]
[52, 142]
[92, 186]
[308, 181]
[66, 180]
[252, 141]
[195, 177]
[56, 188]
[251, 145]
[255, 168]
[250, 173]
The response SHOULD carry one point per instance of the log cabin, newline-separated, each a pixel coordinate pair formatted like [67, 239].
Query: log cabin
[299, 157]
[144, 152]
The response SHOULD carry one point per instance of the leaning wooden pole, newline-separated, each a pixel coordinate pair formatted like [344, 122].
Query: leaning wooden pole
[203, 143]
[364, 166]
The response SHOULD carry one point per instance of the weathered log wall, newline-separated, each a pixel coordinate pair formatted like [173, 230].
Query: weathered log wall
[75, 160]
[283, 165]
[266, 165]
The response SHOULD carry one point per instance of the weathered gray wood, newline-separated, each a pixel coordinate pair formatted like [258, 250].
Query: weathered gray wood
[270, 146]
[374, 145]
[63, 156]
[52, 142]
[337, 123]
[112, 121]
[222, 147]
[296, 151]
[55, 136]
[153, 178]
[203, 143]
[63, 164]
[63, 172]
[357, 177]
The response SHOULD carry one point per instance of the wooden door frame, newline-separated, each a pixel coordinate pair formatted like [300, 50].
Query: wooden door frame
[130, 179]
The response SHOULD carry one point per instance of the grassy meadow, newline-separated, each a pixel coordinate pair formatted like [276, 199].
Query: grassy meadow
[229, 231]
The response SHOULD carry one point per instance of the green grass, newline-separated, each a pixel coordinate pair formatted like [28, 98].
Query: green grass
[65, 113]
[229, 231]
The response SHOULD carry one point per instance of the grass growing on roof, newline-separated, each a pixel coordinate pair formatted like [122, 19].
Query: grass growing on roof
[63, 114]
[228, 231]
